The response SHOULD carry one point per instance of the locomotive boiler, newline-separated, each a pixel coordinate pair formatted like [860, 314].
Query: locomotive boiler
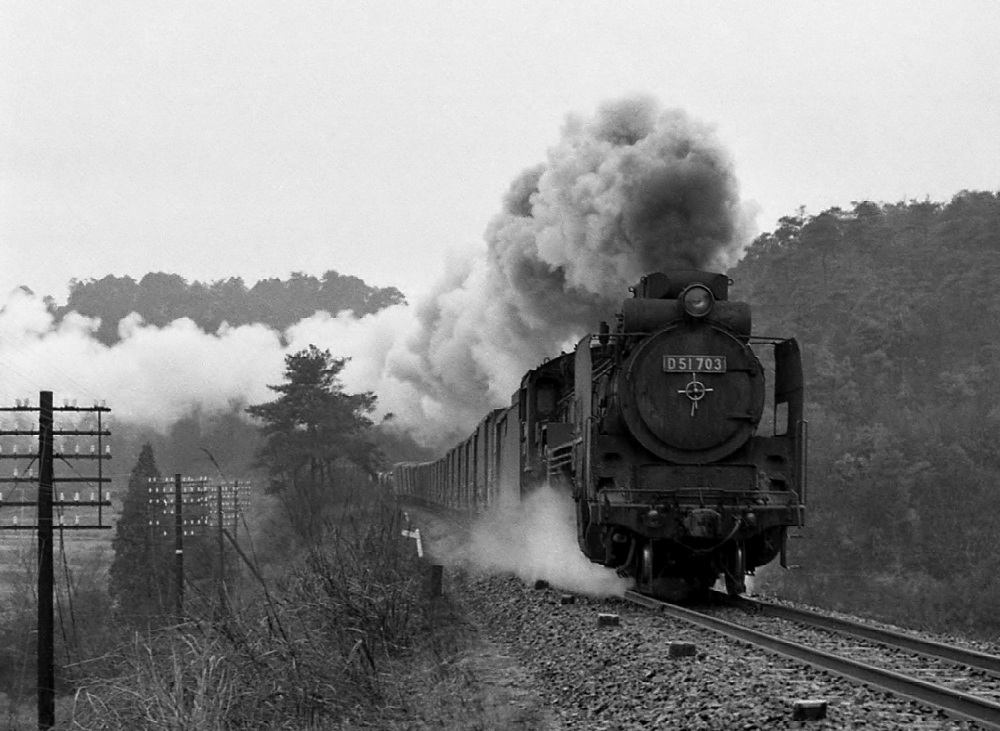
[679, 434]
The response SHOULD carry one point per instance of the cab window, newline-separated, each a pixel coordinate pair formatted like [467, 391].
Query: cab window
[545, 400]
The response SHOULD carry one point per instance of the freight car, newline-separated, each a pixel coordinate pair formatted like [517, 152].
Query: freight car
[658, 429]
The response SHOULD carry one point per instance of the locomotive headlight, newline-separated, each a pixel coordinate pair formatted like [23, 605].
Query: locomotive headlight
[697, 300]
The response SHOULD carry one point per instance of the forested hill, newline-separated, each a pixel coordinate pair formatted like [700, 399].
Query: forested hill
[161, 298]
[897, 309]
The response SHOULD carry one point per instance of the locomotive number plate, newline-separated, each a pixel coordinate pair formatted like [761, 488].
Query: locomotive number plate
[694, 364]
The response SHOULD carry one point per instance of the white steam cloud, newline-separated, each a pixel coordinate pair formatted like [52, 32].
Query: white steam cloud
[635, 189]
[153, 376]
[537, 540]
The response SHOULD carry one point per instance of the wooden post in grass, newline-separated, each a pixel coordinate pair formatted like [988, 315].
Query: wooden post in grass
[437, 580]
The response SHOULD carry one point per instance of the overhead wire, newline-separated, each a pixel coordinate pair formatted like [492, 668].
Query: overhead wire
[51, 366]
[48, 363]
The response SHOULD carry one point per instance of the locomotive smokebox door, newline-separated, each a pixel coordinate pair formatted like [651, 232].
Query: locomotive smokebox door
[692, 394]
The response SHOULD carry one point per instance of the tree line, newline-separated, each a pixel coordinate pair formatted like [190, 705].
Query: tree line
[160, 298]
[898, 313]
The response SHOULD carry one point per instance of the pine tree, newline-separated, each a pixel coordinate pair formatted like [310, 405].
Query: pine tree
[308, 428]
[140, 581]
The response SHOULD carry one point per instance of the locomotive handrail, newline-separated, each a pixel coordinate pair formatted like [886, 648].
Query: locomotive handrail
[802, 480]
[602, 369]
[560, 456]
[717, 495]
[560, 460]
[561, 451]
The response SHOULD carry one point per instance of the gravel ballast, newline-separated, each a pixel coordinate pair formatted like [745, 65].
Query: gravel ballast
[582, 673]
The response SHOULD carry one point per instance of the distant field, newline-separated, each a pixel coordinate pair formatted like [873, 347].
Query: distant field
[87, 554]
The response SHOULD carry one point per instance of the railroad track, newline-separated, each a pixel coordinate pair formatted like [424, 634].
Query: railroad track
[963, 683]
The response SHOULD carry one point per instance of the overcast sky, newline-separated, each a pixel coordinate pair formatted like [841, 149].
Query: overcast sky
[216, 139]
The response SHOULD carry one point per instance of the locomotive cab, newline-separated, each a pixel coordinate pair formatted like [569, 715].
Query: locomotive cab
[542, 405]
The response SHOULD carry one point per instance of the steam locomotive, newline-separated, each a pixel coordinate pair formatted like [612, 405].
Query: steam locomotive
[658, 429]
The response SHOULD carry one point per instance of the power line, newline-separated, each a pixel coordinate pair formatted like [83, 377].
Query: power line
[46, 434]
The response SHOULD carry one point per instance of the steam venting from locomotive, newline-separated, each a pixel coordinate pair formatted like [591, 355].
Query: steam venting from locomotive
[635, 189]
[533, 540]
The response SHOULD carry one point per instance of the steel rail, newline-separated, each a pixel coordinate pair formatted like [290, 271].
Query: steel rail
[888, 637]
[955, 703]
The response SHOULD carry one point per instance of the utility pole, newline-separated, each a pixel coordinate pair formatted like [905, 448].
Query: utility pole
[46, 578]
[185, 490]
[228, 505]
[221, 579]
[196, 492]
[178, 547]
[46, 434]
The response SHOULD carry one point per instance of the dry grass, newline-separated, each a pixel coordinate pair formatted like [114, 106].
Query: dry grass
[184, 685]
[345, 638]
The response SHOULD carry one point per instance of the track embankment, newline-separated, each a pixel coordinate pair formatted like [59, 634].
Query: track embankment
[560, 661]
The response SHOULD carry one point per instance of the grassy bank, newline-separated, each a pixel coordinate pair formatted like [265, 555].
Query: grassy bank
[334, 632]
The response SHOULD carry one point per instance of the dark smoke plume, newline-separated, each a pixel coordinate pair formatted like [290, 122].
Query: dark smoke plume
[636, 189]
